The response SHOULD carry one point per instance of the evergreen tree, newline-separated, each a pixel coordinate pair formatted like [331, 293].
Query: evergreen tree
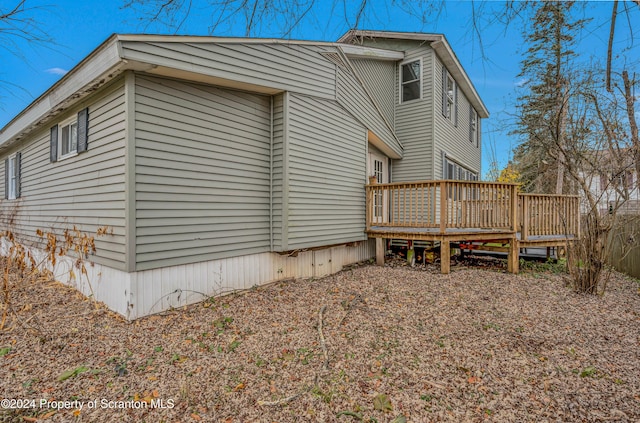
[543, 106]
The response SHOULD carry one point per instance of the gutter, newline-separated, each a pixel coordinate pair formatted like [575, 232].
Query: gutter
[68, 90]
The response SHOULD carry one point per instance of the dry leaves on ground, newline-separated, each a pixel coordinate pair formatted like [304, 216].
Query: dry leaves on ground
[368, 344]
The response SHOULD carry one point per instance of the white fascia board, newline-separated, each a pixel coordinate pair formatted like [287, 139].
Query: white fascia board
[382, 146]
[358, 52]
[413, 36]
[448, 57]
[195, 39]
[97, 69]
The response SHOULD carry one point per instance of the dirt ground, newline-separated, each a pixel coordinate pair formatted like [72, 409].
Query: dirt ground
[368, 344]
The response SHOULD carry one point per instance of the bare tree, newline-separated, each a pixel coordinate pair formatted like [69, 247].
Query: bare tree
[19, 27]
[599, 162]
[18, 24]
[279, 18]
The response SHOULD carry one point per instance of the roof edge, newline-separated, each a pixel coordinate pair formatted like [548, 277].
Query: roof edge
[440, 45]
[56, 94]
[397, 35]
[443, 49]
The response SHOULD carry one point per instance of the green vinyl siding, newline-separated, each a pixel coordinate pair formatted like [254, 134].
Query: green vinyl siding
[278, 171]
[451, 139]
[280, 66]
[202, 172]
[326, 174]
[380, 79]
[84, 191]
[414, 125]
[352, 96]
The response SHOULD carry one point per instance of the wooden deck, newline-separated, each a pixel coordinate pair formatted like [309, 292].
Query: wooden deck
[455, 211]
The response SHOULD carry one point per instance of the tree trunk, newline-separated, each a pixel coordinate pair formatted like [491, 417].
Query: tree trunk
[631, 113]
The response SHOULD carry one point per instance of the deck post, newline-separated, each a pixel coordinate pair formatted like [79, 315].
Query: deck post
[513, 260]
[380, 250]
[445, 257]
[443, 207]
[514, 208]
[525, 218]
[369, 202]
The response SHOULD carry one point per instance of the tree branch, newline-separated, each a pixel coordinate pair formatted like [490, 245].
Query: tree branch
[612, 30]
[633, 124]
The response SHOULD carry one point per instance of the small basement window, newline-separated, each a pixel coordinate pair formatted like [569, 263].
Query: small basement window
[410, 84]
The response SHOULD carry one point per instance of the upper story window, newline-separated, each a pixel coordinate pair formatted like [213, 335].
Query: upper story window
[12, 177]
[449, 97]
[474, 127]
[70, 137]
[410, 83]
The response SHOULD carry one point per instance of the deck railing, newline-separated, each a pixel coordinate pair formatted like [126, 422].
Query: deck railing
[467, 204]
[549, 215]
[444, 205]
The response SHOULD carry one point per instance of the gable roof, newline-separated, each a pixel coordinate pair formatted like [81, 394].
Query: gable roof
[220, 61]
[206, 59]
[442, 48]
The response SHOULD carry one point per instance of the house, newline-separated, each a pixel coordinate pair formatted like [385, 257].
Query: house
[225, 163]
[613, 183]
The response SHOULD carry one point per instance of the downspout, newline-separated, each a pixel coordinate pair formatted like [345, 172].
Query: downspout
[271, 178]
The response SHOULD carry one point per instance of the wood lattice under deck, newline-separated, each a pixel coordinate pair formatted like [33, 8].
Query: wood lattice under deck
[471, 211]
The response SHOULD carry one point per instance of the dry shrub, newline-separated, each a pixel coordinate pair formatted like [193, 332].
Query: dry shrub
[22, 267]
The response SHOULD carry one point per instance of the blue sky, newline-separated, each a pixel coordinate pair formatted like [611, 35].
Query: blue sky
[78, 27]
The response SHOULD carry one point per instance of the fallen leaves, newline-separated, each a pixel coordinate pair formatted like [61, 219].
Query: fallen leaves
[473, 345]
[382, 403]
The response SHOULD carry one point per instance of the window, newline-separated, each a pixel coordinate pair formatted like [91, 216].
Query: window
[410, 83]
[453, 170]
[70, 137]
[617, 180]
[473, 127]
[449, 97]
[451, 86]
[377, 196]
[12, 177]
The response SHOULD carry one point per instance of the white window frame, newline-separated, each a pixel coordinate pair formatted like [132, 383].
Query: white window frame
[13, 179]
[474, 127]
[402, 82]
[377, 199]
[69, 123]
[451, 95]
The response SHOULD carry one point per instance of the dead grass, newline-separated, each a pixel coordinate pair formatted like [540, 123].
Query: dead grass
[475, 345]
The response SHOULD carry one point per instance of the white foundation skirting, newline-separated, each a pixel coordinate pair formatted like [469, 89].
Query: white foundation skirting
[138, 294]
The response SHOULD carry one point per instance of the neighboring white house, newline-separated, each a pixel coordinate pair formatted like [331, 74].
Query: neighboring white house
[224, 163]
[613, 185]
